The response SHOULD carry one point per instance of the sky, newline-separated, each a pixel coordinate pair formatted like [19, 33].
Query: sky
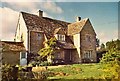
[103, 15]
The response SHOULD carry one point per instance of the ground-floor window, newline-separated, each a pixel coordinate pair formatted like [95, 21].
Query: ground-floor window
[23, 58]
[88, 54]
[23, 55]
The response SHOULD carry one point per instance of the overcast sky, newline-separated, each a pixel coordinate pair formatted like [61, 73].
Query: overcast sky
[103, 15]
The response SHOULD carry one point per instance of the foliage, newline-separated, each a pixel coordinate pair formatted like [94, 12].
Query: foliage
[50, 48]
[19, 73]
[97, 42]
[9, 72]
[45, 63]
[113, 44]
[111, 55]
[113, 51]
[102, 47]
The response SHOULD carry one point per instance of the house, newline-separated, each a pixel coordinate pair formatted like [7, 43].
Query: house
[13, 53]
[76, 41]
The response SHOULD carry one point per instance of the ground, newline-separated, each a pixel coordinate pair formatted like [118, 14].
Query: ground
[81, 71]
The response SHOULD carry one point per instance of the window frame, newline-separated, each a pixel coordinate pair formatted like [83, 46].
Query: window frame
[21, 55]
[61, 37]
[88, 53]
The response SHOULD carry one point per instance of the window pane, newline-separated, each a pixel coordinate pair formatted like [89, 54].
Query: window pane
[39, 36]
[61, 37]
[23, 55]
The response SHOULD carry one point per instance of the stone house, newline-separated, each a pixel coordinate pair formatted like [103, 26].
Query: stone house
[76, 41]
[13, 53]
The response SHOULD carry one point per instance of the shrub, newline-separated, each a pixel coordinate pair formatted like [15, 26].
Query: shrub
[45, 63]
[21, 73]
[9, 72]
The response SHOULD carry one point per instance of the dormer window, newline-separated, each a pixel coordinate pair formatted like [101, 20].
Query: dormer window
[61, 37]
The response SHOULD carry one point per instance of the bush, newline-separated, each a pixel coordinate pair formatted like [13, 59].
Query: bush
[9, 72]
[20, 73]
[111, 55]
[45, 63]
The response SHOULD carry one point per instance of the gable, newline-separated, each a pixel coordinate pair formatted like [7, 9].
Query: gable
[21, 28]
[76, 27]
[79, 26]
[88, 28]
[59, 31]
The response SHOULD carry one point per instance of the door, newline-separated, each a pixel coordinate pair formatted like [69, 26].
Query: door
[68, 56]
[23, 58]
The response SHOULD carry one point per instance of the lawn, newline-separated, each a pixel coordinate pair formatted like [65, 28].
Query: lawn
[82, 71]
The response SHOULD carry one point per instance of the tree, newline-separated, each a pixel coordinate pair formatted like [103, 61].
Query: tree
[49, 50]
[97, 42]
[111, 55]
[113, 51]
[102, 47]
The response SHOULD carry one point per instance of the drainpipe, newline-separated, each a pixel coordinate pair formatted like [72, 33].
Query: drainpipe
[29, 41]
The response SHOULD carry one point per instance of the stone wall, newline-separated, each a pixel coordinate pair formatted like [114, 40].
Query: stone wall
[36, 41]
[60, 54]
[88, 41]
[11, 57]
[75, 56]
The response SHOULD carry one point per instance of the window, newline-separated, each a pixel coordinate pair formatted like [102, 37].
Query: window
[87, 54]
[61, 37]
[23, 55]
[22, 40]
[39, 36]
[87, 38]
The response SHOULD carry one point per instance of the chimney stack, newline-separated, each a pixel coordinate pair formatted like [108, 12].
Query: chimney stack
[78, 19]
[40, 13]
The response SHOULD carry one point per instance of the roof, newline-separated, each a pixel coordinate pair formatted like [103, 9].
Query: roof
[48, 25]
[76, 27]
[59, 31]
[65, 45]
[12, 46]
[56, 30]
[0, 46]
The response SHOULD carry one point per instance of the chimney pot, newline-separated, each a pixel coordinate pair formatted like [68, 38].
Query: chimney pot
[78, 19]
[40, 13]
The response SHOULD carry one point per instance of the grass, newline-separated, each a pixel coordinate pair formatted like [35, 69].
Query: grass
[81, 71]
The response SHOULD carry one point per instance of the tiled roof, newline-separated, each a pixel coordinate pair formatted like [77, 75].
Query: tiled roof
[56, 30]
[65, 45]
[48, 25]
[12, 46]
[76, 27]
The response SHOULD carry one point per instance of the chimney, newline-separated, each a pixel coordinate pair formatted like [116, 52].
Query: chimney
[78, 19]
[40, 13]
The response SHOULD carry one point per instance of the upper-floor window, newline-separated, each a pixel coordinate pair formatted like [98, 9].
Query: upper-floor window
[61, 37]
[38, 36]
[88, 38]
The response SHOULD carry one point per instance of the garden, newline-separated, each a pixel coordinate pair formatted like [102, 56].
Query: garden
[108, 69]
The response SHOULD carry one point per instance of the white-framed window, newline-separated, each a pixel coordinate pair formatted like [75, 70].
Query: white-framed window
[61, 37]
[23, 55]
[88, 54]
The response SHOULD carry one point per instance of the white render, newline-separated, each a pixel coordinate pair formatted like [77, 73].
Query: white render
[21, 30]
